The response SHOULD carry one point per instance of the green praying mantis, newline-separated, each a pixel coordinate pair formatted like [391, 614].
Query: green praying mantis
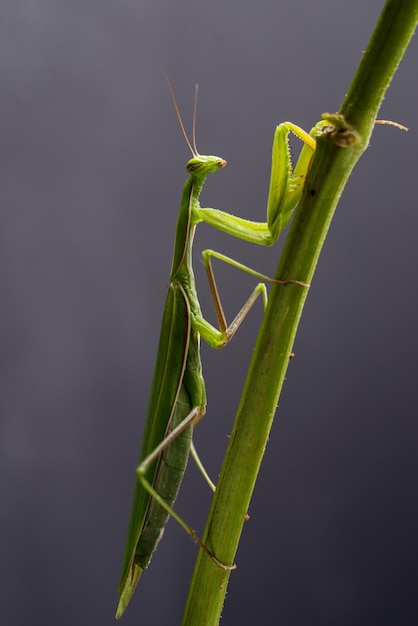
[178, 398]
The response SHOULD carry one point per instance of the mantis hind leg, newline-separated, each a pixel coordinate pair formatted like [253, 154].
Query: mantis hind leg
[201, 467]
[194, 415]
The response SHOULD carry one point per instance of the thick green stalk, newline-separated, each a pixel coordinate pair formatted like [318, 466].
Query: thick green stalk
[336, 154]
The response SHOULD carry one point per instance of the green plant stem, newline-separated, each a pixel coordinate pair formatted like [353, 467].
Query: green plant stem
[330, 170]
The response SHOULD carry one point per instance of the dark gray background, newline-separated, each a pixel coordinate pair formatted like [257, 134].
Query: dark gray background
[92, 168]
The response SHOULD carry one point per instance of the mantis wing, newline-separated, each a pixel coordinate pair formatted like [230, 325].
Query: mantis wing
[168, 376]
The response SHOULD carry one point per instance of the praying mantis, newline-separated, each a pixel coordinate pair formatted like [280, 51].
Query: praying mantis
[178, 398]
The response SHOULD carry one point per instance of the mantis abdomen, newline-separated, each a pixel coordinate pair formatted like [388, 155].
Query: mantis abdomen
[168, 478]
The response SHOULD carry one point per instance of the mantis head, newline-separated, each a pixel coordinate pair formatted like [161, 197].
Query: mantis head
[201, 164]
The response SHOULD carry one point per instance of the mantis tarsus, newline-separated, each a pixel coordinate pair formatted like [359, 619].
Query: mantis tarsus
[178, 398]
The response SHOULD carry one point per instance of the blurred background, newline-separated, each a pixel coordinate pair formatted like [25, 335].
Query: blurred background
[92, 165]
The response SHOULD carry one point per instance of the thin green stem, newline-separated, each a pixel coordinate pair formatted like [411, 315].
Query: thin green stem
[336, 154]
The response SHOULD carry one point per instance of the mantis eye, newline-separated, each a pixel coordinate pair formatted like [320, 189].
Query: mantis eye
[194, 165]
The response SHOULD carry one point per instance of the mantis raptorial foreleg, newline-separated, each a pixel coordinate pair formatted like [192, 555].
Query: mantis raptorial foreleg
[285, 190]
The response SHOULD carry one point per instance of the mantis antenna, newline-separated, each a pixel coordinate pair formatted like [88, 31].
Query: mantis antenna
[193, 148]
[196, 93]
